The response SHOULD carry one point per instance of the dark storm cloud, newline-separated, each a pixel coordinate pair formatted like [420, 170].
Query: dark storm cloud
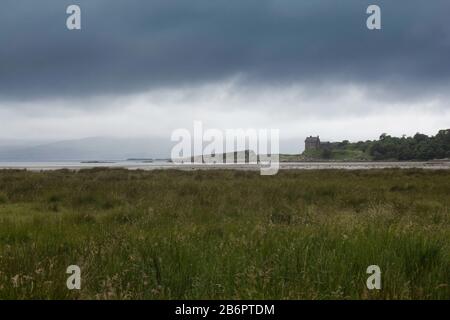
[128, 46]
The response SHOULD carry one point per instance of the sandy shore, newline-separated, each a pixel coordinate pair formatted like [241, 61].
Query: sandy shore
[44, 166]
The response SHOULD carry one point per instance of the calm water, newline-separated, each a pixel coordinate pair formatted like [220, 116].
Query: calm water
[77, 165]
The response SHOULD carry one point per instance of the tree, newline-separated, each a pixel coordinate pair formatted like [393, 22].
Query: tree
[326, 153]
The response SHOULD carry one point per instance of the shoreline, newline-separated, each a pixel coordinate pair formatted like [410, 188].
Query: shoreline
[316, 165]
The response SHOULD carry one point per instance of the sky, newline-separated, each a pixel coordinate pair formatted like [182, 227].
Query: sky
[146, 68]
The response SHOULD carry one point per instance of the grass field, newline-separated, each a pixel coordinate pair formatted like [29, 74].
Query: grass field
[225, 234]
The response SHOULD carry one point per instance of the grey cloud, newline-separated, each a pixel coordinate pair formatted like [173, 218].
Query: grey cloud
[129, 46]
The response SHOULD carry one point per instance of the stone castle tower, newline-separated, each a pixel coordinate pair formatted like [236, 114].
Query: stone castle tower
[312, 143]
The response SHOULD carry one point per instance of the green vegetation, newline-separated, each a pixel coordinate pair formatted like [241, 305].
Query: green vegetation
[418, 147]
[337, 153]
[225, 234]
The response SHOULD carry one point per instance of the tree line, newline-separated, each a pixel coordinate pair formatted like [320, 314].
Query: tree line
[418, 147]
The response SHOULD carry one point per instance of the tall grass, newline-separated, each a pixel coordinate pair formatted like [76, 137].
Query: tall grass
[225, 234]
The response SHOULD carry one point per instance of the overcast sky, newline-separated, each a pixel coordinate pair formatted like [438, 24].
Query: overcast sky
[145, 68]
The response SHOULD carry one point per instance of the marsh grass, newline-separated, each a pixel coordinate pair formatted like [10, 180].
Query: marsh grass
[225, 234]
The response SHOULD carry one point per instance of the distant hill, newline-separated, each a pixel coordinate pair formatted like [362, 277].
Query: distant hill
[96, 148]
